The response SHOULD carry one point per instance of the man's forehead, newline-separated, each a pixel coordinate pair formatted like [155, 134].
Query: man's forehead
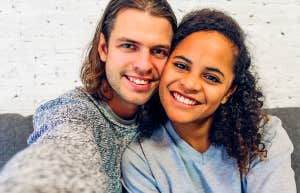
[141, 27]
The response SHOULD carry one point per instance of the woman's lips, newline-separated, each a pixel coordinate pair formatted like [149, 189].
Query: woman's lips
[184, 99]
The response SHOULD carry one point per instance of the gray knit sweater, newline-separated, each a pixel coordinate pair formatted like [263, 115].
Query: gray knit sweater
[76, 146]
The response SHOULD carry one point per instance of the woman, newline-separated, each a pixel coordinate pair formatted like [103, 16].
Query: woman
[217, 138]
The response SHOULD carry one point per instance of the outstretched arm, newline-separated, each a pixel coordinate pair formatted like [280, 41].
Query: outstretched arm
[63, 155]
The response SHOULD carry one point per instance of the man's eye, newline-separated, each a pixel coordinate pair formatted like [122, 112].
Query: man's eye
[180, 66]
[128, 46]
[212, 78]
[160, 53]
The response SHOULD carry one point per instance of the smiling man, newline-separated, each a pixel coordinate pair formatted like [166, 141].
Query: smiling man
[134, 57]
[79, 137]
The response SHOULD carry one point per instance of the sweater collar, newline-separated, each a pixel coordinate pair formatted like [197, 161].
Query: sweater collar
[188, 150]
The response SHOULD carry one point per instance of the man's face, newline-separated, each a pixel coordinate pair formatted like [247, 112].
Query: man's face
[135, 55]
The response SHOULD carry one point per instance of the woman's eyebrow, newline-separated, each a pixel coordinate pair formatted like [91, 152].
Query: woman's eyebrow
[214, 70]
[207, 68]
[184, 58]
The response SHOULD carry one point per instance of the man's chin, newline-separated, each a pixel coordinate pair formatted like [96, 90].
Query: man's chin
[138, 100]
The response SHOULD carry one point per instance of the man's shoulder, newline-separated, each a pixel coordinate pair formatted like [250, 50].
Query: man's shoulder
[73, 101]
[73, 107]
[75, 96]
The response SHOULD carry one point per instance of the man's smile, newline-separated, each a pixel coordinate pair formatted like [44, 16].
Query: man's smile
[138, 81]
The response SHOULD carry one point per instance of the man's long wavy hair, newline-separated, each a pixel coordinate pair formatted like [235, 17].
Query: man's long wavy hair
[92, 73]
[236, 124]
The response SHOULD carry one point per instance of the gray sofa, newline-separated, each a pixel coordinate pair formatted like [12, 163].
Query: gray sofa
[14, 130]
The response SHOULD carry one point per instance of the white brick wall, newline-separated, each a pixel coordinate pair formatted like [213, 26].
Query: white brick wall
[42, 44]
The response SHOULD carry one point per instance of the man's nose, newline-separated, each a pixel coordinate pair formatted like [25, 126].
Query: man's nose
[143, 65]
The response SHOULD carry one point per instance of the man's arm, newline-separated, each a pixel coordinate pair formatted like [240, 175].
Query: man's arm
[63, 156]
[55, 166]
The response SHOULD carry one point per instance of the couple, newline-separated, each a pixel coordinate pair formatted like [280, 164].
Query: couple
[210, 136]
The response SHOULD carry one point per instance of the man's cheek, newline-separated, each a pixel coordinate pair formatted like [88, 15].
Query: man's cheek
[161, 67]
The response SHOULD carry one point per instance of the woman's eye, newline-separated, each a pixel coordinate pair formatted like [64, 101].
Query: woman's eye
[212, 78]
[180, 66]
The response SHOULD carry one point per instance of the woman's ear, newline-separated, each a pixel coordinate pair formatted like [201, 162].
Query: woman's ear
[230, 91]
[102, 48]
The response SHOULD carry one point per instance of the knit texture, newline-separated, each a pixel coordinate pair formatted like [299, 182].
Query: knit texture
[76, 146]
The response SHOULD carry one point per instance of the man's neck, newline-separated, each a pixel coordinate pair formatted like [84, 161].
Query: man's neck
[123, 110]
[120, 107]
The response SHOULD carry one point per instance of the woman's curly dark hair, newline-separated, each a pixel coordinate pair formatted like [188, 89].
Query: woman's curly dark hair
[237, 123]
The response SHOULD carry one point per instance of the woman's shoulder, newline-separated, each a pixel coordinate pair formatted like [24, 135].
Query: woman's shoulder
[274, 172]
[275, 137]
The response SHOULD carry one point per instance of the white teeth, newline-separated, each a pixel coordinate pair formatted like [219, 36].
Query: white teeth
[183, 100]
[138, 81]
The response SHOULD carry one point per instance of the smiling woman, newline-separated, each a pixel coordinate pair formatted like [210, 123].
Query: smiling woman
[213, 133]
[197, 79]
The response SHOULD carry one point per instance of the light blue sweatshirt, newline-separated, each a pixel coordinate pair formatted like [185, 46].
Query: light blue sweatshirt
[166, 163]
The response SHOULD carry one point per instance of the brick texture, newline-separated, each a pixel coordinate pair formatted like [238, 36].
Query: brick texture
[42, 45]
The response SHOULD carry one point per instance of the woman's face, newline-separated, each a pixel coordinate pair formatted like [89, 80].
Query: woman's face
[197, 77]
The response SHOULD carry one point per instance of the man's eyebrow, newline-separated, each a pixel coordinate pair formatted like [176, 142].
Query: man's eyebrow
[127, 40]
[123, 39]
[184, 58]
[163, 46]
[214, 70]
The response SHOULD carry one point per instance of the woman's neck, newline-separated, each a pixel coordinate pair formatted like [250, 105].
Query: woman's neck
[195, 134]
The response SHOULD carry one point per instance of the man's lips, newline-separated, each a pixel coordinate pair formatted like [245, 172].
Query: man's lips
[139, 80]
[184, 99]
[141, 84]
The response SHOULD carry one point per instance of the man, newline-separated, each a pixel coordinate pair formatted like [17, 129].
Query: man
[79, 137]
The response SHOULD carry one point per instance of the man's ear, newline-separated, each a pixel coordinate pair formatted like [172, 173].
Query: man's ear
[230, 91]
[102, 48]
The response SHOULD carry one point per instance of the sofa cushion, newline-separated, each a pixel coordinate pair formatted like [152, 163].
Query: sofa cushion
[14, 131]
